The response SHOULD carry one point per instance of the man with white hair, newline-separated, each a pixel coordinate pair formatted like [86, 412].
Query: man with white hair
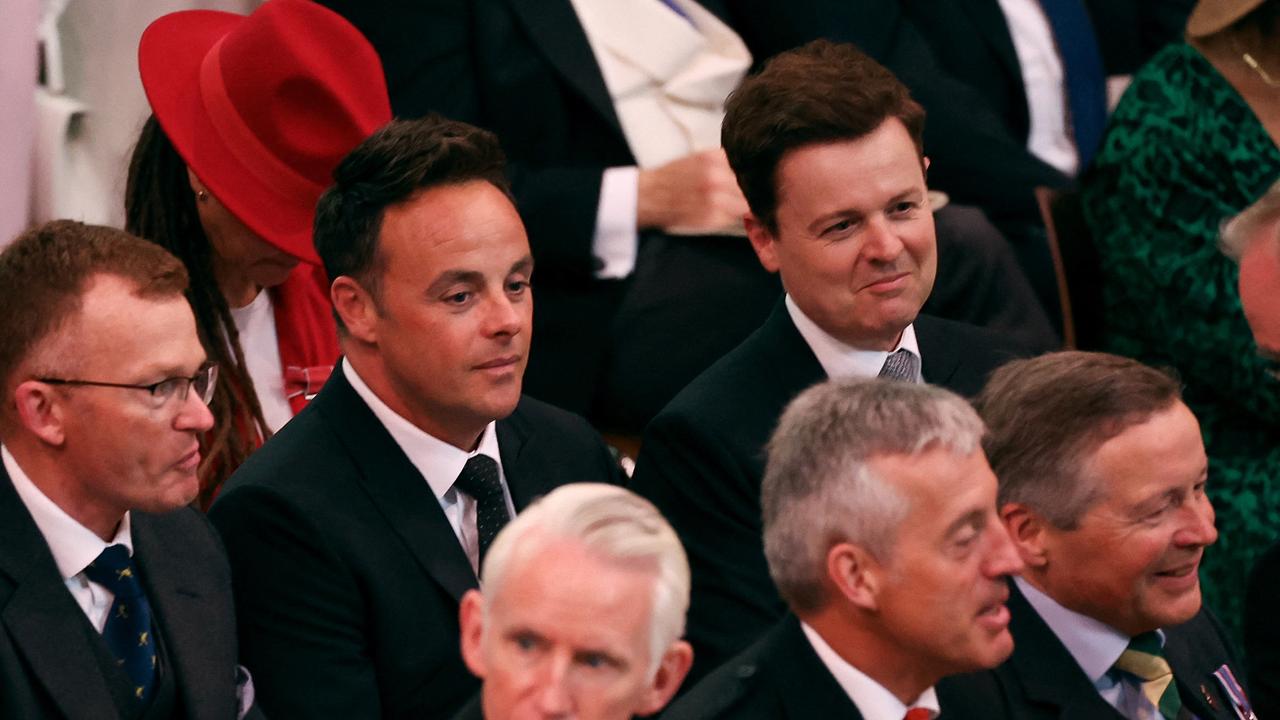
[1253, 240]
[581, 613]
[881, 534]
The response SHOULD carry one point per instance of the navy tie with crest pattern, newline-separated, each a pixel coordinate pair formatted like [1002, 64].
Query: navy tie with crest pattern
[128, 632]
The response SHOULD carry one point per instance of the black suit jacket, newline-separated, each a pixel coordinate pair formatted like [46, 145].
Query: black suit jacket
[48, 667]
[702, 463]
[1041, 681]
[780, 677]
[971, 38]
[347, 572]
[1262, 634]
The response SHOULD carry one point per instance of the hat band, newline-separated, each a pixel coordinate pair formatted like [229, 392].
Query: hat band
[241, 142]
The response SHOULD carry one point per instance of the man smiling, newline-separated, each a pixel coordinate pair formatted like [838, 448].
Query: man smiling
[826, 146]
[1102, 487]
[356, 530]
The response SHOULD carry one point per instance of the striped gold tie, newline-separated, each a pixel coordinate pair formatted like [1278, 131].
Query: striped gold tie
[1144, 659]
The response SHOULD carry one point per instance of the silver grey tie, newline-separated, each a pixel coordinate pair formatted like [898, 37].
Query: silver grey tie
[900, 365]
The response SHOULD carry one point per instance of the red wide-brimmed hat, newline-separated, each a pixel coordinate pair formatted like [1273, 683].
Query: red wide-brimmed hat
[263, 107]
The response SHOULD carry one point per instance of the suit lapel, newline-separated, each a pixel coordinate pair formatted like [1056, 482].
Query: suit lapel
[528, 471]
[1044, 668]
[938, 360]
[396, 487]
[182, 604]
[799, 667]
[1193, 669]
[555, 30]
[42, 618]
[994, 28]
[791, 358]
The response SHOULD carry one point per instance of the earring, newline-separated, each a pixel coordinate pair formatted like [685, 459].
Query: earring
[201, 195]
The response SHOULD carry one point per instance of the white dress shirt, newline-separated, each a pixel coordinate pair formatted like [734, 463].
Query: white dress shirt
[668, 75]
[73, 545]
[256, 323]
[841, 360]
[1096, 647]
[439, 463]
[1044, 81]
[873, 701]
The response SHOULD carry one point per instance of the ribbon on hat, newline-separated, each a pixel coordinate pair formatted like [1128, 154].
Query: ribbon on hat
[241, 141]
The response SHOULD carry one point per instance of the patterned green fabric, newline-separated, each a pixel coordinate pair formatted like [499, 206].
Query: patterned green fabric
[1182, 153]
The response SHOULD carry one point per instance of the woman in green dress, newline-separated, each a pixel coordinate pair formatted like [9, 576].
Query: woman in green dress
[1193, 142]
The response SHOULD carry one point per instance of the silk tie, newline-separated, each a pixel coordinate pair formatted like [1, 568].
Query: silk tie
[479, 479]
[128, 632]
[900, 365]
[918, 714]
[1085, 76]
[1144, 659]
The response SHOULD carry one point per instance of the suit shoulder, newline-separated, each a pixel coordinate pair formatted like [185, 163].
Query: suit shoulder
[973, 338]
[734, 691]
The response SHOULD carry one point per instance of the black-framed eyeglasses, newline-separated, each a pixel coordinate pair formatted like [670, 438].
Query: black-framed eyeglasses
[163, 392]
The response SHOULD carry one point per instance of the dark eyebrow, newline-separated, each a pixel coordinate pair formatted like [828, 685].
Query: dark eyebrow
[452, 277]
[523, 265]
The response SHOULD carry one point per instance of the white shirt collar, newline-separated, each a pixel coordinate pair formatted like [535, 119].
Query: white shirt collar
[1095, 645]
[841, 360]
[73, 545]
[873, 701]
[439, 462]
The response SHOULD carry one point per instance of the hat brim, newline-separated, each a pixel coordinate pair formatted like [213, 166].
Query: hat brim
[1212, 17]
[170, 54]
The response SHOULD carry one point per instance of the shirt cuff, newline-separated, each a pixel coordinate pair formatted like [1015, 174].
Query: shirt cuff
[615, 242]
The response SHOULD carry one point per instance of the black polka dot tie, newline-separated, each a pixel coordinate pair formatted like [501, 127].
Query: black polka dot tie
[128, 632]
[479, 479]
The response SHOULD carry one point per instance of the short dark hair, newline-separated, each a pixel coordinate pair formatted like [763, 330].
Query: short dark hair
[818, 93]
[390, 166]
[45, 272]
[1047, 415]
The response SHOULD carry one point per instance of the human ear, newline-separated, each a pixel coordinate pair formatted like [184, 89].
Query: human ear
[856, 574]
[356, 306]
[762, 241]
[471, 618]
[675, 665]
[40, 411]
[1029, 532]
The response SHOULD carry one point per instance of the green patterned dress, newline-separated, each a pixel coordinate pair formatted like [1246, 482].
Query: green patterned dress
[1182, 153]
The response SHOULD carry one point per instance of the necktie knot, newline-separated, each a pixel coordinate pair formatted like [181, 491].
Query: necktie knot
[479, 478]
[918, 713]
[900, 365]
[1144, 660]
[113, 569]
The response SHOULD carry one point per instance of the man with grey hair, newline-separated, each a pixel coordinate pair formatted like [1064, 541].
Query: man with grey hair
[881, 534]
[1252, 239]
[1102, 488]
[582, 608]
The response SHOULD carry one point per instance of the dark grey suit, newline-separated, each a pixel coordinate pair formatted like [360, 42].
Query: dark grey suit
[49, 666]
[347, 572]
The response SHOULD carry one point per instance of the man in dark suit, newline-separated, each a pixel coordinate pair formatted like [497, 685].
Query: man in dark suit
[582, 611]
[826, 144]
[1041, 65]
[1102, 487]
[115, 597]
[354, 532]
[881, 533]
[619, 345]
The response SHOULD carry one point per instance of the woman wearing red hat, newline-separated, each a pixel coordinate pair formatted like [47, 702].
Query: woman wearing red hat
[251, 115]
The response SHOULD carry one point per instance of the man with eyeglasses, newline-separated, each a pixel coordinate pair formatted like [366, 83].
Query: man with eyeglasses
[115, 596]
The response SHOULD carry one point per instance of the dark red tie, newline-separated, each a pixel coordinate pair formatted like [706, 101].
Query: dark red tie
[918, 714]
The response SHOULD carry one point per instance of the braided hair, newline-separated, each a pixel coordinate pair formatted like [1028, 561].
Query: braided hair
[160, 206]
